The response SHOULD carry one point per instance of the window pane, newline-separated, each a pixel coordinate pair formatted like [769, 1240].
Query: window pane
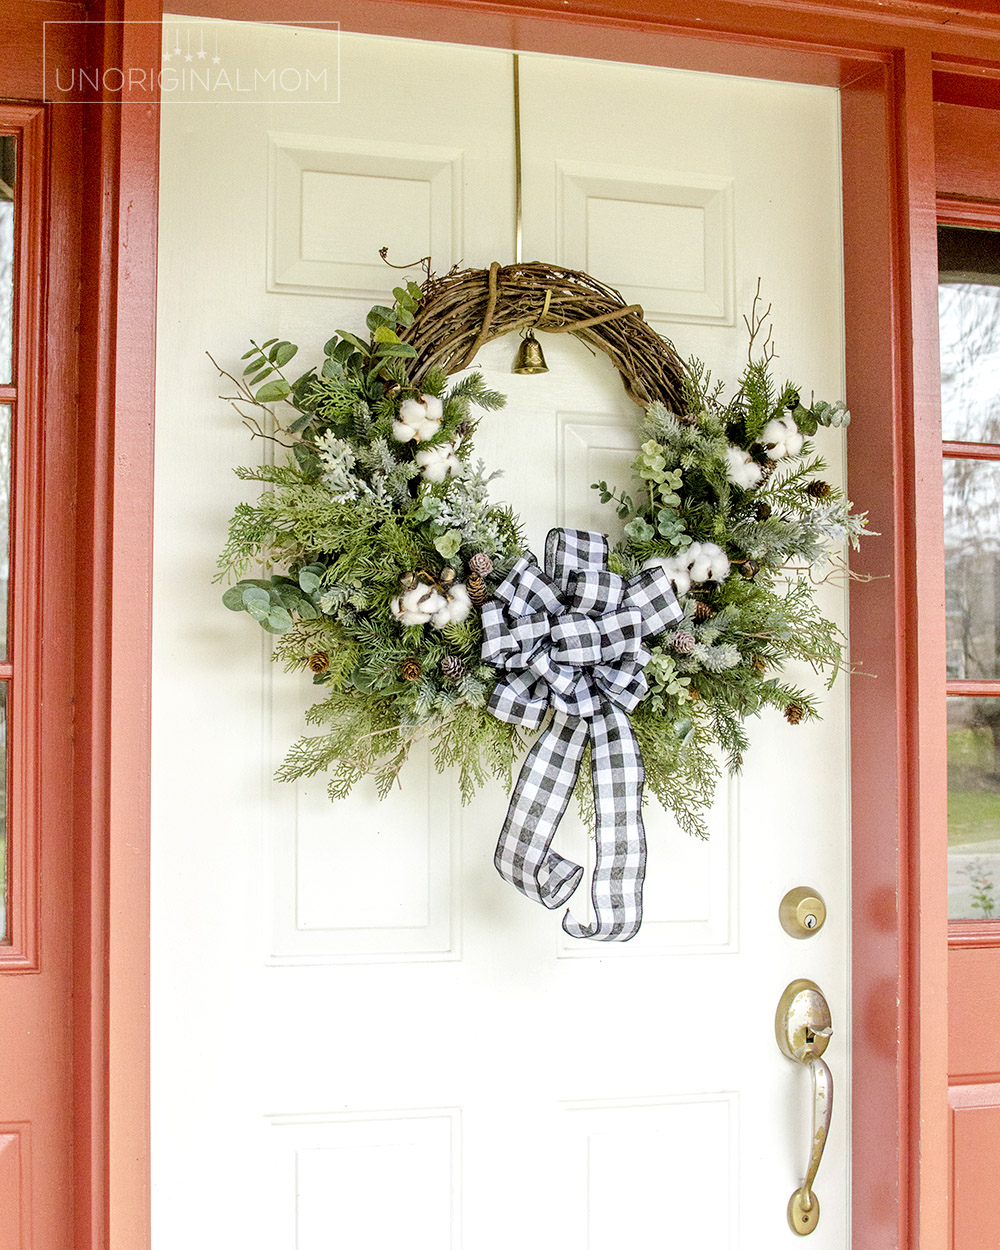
[974, 809]
[7, 168]
[969, 309]
[972, 567]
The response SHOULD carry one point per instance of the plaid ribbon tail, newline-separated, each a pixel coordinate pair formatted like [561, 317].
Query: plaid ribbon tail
[524, 856]
[618, 776]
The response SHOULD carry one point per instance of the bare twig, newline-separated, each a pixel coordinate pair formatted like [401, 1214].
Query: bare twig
[424, 262]
[754, 323]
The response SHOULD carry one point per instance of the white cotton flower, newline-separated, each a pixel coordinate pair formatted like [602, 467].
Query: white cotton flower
[417, 605]
[418, 418]
[740, 468]
[781, 438]
[437, 462]
[707, 562]
[455, 608]
[701, 562]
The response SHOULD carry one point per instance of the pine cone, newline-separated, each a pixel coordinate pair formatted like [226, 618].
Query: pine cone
[763, 511]
[410, 669]
[453, 667]
[476, 587]
[684, 642]
[818, 489]
[480, 564]
[749, 569]
[702, 612]
[794, 713]
[694, 695]
[759, 665]
[320, 662]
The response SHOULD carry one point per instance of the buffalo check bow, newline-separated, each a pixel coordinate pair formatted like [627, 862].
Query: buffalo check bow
[570, 639]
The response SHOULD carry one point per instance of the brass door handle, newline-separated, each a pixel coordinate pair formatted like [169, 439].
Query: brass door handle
[803, 1030]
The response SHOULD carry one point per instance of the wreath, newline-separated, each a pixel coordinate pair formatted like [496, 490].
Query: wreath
[412, 600]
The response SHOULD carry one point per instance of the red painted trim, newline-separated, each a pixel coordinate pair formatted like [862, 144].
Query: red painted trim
[977, 688]
[923, 625]
[28, 494]
[974, 933]
[114, 563]
[980, 214]
[971, 451]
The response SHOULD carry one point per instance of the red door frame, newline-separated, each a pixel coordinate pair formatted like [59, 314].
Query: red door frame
[887, 63]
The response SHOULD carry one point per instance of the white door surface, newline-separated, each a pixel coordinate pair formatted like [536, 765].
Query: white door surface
[363, 1038]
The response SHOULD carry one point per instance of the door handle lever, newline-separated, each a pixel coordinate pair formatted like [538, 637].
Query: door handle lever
[803, 1030]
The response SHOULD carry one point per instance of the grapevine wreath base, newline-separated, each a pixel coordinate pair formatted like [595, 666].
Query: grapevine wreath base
[412, 599]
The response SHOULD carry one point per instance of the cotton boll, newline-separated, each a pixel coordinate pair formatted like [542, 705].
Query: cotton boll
[437, 462]
[417, 605]
[418, 418]
[740, 468]
[402, 432]
[718, 562]
[701, 567]
[433, 407]
[781, 438]
[455, 608]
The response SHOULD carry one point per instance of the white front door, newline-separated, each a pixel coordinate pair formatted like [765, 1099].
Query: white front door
[363, 1038]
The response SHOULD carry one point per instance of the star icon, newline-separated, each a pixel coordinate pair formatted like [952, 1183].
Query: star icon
[189, 57]
[202, 54]
[167, 56]
[216, 60]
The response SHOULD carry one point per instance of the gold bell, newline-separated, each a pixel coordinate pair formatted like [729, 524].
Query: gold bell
[529, 358]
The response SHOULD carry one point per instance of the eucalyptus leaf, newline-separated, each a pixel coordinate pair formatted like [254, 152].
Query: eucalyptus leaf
[259, 611]
[385, 334]
[332, 368]
[254, 364]
[278, 621]
[309, 581]
[259, 377]
[404, 350]
[288, 597]
[283, 353]
[301, 422]
[377, 316]
[272, 391]
[639, 530]
[263, 346]
[448, 544]
[355, 342]
[255, 595]
[233, 599]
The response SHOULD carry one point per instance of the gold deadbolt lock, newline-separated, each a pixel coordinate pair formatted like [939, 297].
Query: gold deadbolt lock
[802, 912]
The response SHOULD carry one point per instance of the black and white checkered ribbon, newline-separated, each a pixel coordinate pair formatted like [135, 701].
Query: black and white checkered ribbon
[570, 639]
